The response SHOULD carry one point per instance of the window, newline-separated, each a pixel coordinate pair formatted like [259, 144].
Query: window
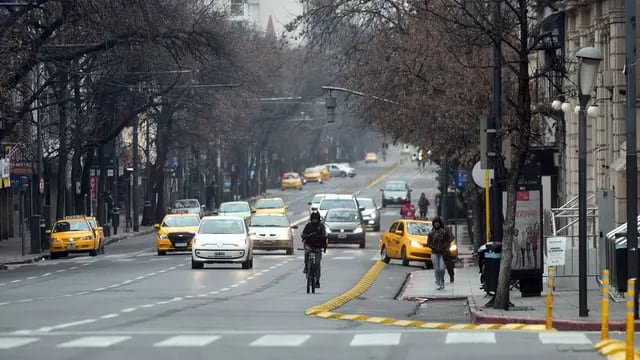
[418, 228]
[180, 221]
[187, 204]
[234, 207]
[342, 215]
[221, 227]
[327, 204]
[269, 221]
[269, 204]
[401, 227]
[366, 203]
[64, 226]
[393, 227]
[237, 8]
[395, 187]
[317, 199]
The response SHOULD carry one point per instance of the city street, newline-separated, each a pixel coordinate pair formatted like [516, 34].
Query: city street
[132, 304]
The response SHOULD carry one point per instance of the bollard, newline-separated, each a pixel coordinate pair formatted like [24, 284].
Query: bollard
[551, 285]
[604, 330]
[631, 290]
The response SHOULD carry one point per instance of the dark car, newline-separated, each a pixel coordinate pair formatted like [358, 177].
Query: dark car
[344, 226]
[395, 192]
[371, 213]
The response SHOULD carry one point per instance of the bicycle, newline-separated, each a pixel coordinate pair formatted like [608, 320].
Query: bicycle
[312, 270]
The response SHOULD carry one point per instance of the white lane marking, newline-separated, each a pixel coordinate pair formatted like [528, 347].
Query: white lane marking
[73, 268]
[116, 255]
[564, 338]
[188, 296]
[351, 251]
[109, 316]
[10, 343]
[213, 292]
[94, 342]
[470, 337]
[251, 277]
[140, 278]
[98, 289]
[15, 281]
[3, 303]
[162, 302]
[177, 298]
[172, 268]
[203, 295]
[280, 340]
[126, 282]
[112, 286]
[32, 277]
[68, 295]
[66, 325]
[151, 274]
[343, 258]
[127, 310]
[47, 274]
[224, 289]
[234, 285]
[82, 293]
[258, 274]
[61, 270]
[300, 258]
[3, 284]
[242, 282]
[147, 305]
[187, 341]
[24, 300]
[380, 339]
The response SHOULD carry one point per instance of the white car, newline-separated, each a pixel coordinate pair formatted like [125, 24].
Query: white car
[222, 240]
[188, 206]
[314, 204]
[337, 201]
[272, 232]
[341, 169]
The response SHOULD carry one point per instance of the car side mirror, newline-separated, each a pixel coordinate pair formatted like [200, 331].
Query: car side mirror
[309, 203]
[381, 189]
[294, 226]
[379, 208]
[48, 232]
[203, 207]
[314, 209]
[251, 233]
[286, 207]
[362, 208]
[156, 226]
[253, 210]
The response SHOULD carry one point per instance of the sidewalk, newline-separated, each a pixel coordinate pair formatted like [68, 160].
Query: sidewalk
[11, 249]
[531, 310]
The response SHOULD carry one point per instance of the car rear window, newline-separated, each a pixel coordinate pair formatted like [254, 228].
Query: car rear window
[395, 187]
[237, 207]
[327, 204]
[269, 204]
[342, 215]
[418, 228]
[367, 203]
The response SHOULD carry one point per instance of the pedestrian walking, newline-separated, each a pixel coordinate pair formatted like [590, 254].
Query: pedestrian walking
[440, 240]
[423, 205]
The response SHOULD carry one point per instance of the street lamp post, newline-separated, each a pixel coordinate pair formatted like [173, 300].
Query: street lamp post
[589, 61]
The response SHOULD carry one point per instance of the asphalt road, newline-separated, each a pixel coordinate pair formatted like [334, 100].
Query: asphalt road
[132, 304]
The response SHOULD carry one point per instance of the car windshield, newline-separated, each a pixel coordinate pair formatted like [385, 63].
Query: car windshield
[179, 221]
[291, 176]
[337, 203]
[312, 170]
[342, 215]
[221, 226]
[92, 222]
[418, 228]
[269, 204]
[64, 226]
[317, 199]
[234, 207]
[269, 221]
[395, 187]
[366, 203]
[187, 204]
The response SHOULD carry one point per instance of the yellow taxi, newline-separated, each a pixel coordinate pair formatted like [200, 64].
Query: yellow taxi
[325, 173]
[270, 206]
[176, 232]
[312, 174]
[73, 235]
[291, 180]
[407, 240]
[99, 229]
[371, 157]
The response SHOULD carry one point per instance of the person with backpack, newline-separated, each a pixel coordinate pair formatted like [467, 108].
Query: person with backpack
[423, 205]
[314, 238]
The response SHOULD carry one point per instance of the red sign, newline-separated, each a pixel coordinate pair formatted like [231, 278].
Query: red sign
[20, 162]
[522, 196]
[94, 188]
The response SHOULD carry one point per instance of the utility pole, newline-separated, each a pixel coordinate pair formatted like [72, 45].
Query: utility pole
[134, 195]
[632, 154]
[494, 125]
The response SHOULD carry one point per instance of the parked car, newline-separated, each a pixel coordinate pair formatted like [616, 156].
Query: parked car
[371, 212]
[272, 232]
[344, 226]
[222, 239]
[395, 192]
[407, 240]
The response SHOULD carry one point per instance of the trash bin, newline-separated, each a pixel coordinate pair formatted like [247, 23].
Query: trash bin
[491, 267]
[115, 219]
[106, 230]
[44, 237]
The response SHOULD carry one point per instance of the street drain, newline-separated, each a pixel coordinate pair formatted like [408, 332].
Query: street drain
[455, 311]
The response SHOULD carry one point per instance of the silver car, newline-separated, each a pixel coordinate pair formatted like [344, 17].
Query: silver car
[188, 206]
[222, 240]
[272, 232]
[314, 204]
[371, 213]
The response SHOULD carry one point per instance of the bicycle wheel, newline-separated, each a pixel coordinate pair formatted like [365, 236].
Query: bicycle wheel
[313, 281]
[309, 276]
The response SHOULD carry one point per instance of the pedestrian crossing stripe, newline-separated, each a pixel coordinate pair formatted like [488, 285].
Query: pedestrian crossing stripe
[357, 339]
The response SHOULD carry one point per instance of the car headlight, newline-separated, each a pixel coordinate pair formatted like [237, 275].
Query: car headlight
[328, 230]
[163, 236]
[88, 237]
[453, 247]
[357, 230]
[415, 243]
[56, 240]
[242, 242]
[373, 215]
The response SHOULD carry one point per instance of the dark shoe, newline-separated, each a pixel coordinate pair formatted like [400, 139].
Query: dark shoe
[451, 278]
[317, 284]
[304, 270]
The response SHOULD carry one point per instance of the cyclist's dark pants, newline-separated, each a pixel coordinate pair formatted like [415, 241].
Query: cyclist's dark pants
[318, 256]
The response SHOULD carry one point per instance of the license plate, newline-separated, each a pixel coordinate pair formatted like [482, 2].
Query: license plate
[219, 253]
[181, 244]
[71, 246]
[342, 236]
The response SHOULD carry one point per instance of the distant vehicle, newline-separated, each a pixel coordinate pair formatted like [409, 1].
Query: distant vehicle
[341, 170]
[395, 192]
[406, 150]
[315, 202]
[222, 239]
[335, 201]
[325, 174]
[371, 212]
[344, 226]
[291, 180]
[371, 158]
[188, 206]
[270, 206]
[73, 235]
[312, 174]
[235, 208]
[272, 232]
[176, 232]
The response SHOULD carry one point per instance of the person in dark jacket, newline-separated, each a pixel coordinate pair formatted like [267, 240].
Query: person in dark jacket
[423, 205]
[314, 238]
[439, 242]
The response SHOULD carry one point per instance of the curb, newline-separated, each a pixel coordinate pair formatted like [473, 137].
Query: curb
[325, 310]
[45, 255]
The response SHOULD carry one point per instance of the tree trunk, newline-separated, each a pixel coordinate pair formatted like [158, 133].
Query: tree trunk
[76, 177]
[62, 150]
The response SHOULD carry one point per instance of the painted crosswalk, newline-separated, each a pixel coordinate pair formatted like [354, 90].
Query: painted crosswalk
[288, 340]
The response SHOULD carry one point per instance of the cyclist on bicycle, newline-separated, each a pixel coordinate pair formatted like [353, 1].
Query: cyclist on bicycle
[314, 238]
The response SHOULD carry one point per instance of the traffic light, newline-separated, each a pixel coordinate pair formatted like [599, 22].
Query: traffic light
[330, 103]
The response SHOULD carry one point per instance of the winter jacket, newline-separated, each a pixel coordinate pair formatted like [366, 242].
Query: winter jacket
[315, 235]
[439, 241]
